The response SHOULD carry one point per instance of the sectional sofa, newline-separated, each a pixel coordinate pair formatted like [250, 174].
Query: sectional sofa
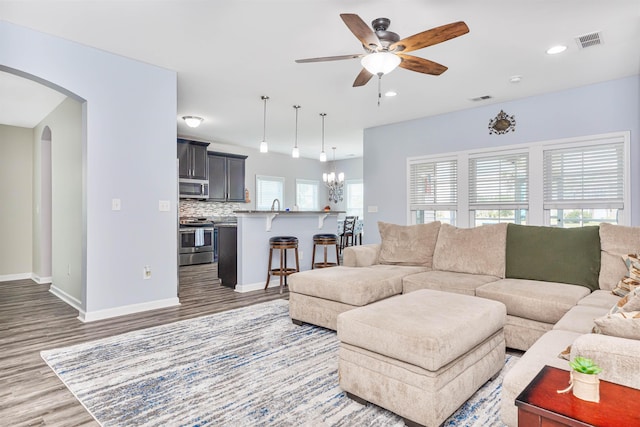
[555, 284]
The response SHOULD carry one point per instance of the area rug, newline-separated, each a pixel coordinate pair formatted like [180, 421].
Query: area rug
[244, 367]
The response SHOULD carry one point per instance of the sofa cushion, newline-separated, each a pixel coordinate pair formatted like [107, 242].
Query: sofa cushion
[407, 244]
[478, 250]
[600, 298]
[355, 286]
[449, 281]
[542, 301]
[580, 319]
[564, 255]
[616, 241]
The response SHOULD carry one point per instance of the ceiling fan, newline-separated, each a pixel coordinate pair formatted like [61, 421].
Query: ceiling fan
[384, 51]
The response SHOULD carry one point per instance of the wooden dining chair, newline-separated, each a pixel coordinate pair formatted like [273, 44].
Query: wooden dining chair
[347, 237]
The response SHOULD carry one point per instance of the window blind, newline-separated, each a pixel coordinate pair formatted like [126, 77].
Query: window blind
[269, 188]
[499, 181]
[433, 185]
[584, 177]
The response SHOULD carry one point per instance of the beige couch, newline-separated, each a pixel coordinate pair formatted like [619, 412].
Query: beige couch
[510, 264]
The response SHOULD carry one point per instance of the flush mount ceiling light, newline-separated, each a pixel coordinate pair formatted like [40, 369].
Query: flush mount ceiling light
[515, 79]
[380, 63]
[554, 50]
[390, 93]
[192, 121]
[264, 148]
[295, 153]
[323, 155]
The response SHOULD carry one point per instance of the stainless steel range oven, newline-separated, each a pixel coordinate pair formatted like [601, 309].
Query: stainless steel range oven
[197, 243]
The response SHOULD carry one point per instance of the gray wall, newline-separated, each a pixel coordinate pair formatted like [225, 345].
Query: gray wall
[595, 109]
[65, 123]
[128, 152]
[16, 183]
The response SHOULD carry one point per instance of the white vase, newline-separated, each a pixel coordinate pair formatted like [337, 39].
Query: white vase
[586, 386]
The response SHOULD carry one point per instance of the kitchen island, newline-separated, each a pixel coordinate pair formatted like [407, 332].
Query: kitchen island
[255, 228]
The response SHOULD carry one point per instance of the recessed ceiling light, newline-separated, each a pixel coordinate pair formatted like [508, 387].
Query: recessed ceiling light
[390, 93]
[556, 49]
[515, 79]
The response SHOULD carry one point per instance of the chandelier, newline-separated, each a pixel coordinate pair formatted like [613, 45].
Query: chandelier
[334, 182]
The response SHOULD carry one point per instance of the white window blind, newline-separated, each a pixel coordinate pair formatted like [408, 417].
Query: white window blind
[433, 185]
[269, 188]
[307, 194]
[499, 181]
[585, 177]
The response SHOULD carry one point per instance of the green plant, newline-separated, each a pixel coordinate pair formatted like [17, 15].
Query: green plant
[584, 365]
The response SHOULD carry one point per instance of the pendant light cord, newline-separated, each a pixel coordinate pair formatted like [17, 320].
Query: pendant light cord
[296, 107]
[323, 114]
[264, 121]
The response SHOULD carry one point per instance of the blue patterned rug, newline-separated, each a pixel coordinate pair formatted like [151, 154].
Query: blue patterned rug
[244, 367]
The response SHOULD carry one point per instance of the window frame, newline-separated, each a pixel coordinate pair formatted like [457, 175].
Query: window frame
[349, 210]
[267, 178]
[311, 182]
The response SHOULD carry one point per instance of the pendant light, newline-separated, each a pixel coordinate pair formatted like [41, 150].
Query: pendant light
[264, 148]
[295, 153]
[323, 155]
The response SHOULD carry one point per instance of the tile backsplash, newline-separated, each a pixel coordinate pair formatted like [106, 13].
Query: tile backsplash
[197, 208]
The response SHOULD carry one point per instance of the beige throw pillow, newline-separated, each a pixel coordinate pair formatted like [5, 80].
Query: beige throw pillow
[621, 324]
[479, 250]
[408, 244]
[616, 241]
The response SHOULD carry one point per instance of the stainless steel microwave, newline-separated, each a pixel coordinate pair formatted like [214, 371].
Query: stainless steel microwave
[194, 188]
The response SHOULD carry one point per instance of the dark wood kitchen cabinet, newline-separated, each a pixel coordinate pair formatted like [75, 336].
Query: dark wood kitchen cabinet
[226, 177]
[192, 156]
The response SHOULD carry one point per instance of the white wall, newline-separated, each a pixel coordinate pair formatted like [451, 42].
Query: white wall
[128, 152]
[16, 183]
[595, 109]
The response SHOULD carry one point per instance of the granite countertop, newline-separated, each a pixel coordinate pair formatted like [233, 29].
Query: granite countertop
[287, 212]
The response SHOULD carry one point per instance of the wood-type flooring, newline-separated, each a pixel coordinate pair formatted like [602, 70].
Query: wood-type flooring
[32, 319]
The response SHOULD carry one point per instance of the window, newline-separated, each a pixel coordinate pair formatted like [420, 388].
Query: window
[584, 185]
[307, 194]
[433, 191]
[269, 188]
[570, 182]
[355, 198]
[498, 188]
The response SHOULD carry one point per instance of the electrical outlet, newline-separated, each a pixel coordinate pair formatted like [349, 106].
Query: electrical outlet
[372, 209]
[115, 204]
[146, 272]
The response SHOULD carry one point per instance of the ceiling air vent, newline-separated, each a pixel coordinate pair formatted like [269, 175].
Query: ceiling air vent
[481, 98]
[588, 40]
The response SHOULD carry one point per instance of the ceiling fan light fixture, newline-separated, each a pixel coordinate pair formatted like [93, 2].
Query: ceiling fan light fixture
[380, 62]
[192, 121]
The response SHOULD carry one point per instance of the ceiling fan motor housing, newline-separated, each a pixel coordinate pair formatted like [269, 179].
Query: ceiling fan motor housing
[380, 26]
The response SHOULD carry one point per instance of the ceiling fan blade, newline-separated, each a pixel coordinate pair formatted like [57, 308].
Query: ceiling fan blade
[363, 78]
[329, 58]
[430, 37]
[421, 65]
[361, 30]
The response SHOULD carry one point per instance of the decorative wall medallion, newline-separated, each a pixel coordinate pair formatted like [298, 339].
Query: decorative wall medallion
[502, 124]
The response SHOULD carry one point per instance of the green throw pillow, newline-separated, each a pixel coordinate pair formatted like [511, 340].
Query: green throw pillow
[565, 255]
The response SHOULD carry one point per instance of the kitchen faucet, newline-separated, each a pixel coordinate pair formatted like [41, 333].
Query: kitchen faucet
[274, 203]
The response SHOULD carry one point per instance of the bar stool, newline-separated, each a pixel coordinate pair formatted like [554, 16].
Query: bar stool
[325, 240]
[282, 243]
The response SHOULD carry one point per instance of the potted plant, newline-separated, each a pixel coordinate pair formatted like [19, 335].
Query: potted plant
[584, 379]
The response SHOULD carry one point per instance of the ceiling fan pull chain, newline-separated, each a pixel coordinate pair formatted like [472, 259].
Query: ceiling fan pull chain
[379, 90]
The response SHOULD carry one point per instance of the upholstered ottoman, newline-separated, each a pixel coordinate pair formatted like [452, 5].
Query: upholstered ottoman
[421, 355]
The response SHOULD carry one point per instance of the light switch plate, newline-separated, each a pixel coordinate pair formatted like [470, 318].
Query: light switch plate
[164, 206]
[115, 204]
[372, 209]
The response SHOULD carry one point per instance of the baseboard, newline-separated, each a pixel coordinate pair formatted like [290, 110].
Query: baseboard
[64, 296]
[41, 280]
[11, 277]
[92, 316]
[256, 286]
